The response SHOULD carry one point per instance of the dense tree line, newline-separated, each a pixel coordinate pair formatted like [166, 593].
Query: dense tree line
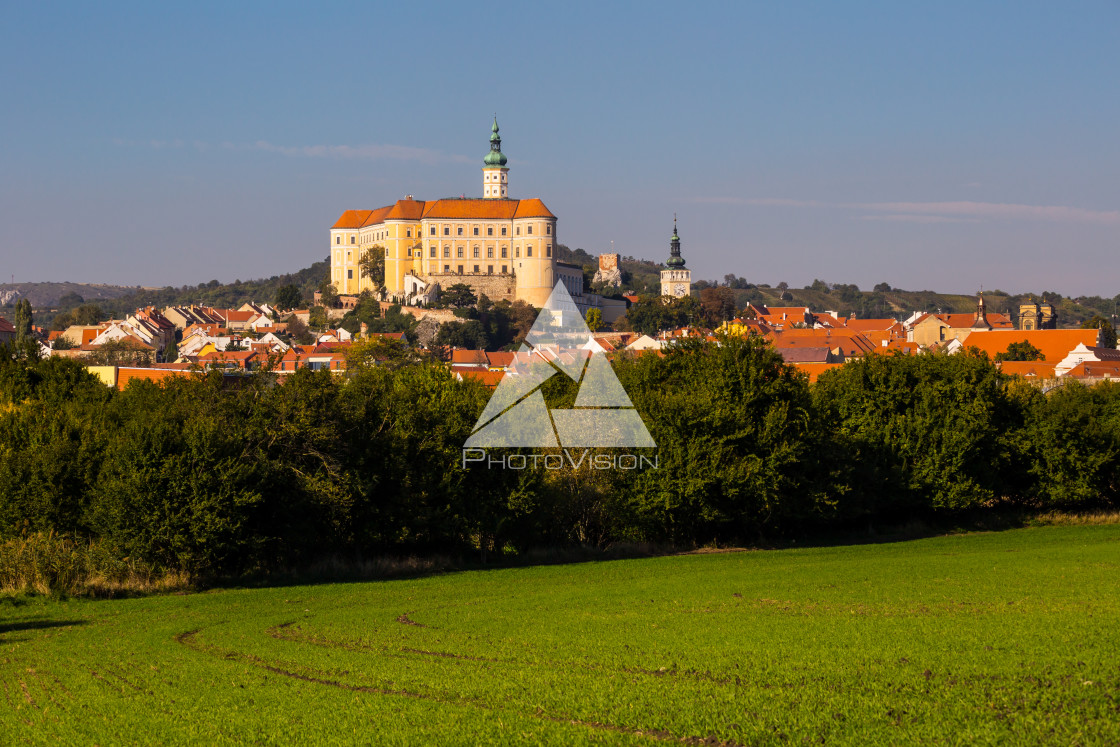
[210, 477]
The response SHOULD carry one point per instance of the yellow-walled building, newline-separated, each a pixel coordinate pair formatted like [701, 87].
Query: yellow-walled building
[497, 245]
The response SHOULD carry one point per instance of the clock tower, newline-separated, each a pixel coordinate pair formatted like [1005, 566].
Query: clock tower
[676, 281]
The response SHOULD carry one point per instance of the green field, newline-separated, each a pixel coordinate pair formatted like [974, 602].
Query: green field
[1010, 637]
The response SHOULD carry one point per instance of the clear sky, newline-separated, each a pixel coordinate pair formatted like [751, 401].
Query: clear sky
[938, 146]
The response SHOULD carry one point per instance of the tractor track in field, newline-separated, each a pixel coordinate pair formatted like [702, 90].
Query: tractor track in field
[285, 632]
[189, 640]
[404, 619]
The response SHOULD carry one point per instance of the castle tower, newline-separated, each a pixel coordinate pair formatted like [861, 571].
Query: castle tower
[676, 281]
[495, 175]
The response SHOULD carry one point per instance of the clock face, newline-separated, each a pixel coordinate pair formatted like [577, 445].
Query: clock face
[678, 290]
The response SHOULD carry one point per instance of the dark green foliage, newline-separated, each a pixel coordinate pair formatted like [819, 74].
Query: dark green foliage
[206, 477]
[1021, 351]
[651, 314]
[1108, 334]
[24, 319]
[458, 296]
[733, 427]
[288, 297]
[920, 433]
[1074, 445]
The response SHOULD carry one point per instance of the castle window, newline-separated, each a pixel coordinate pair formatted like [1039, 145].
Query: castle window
[446, 251]
[548, 250]
[476, 269]
[408, 232]
[489, 230]
[548, 229]
[503, 230]
[528, 251]
[447, 268]
[503, 269]
[447, 230]
[460, 231]
[432, 231]
[489, 252]
[505, 252]
[460, 269]
[433, 253]
[459, 252]
[410, 251]
[476, 230]
[349, 274]
[489, 269]
[517, 252]
[351, 238]
[338, 239]
[517, 231]
[476, 252]
[529, 230]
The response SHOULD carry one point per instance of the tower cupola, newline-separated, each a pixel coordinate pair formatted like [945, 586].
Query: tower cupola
[495, 174]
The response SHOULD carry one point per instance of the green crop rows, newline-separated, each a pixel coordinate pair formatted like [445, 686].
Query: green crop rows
[1009, 637]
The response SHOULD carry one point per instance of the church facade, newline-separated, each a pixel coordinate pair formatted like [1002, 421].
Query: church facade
[497, 245]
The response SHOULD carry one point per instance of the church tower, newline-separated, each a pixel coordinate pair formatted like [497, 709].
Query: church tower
[676, 281]
[495, 175]
[981, 319]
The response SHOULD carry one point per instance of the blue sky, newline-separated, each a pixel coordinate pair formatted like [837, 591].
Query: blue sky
[943, 146]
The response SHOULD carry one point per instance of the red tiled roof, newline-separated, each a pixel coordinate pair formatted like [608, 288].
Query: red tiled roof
[405, 210]
[469, 358]
[1030, 369]
[465, 208]
[352, 219]
[805, 354]
[484, 209]
[1095, 370]
[6, 326]
[500, 359]
[872, 325]
[487, 378]
[814, 370]
[1055, 344]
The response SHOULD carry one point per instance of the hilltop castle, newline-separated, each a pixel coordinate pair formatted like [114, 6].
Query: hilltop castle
[499, 246]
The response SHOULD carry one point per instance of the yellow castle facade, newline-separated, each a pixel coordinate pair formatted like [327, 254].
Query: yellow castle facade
[499, 246]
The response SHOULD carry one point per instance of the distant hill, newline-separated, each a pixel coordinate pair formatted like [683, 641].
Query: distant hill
[45, 295]
[49, 299]
[644, 277]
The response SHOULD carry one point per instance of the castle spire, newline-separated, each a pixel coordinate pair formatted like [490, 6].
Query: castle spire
[495, 179]
[675, 258]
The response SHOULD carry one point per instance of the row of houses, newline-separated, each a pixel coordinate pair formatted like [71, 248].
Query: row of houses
[817, 342]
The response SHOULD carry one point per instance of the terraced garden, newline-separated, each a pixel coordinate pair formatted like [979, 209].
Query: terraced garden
[1008, 637]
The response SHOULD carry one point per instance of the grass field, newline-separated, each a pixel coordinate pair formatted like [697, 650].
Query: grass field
[1010, 637]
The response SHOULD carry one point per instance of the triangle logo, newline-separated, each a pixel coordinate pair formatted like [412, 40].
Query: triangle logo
[559, 342]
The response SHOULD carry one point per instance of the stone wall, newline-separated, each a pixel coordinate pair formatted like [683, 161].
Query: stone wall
[494, 287]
